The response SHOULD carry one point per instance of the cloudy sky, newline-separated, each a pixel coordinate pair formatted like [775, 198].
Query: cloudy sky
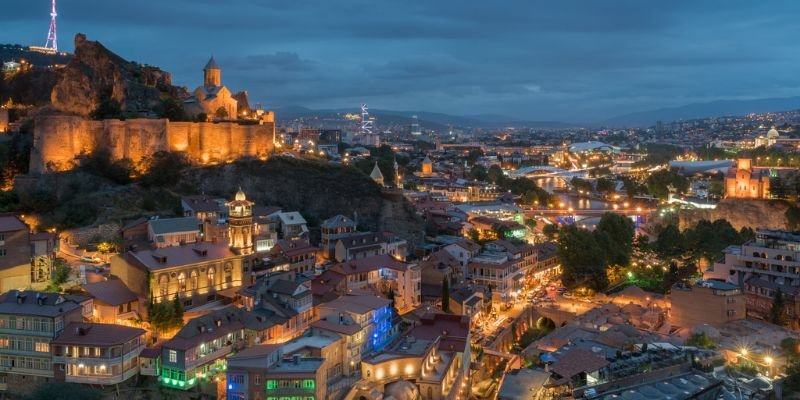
[544, 60]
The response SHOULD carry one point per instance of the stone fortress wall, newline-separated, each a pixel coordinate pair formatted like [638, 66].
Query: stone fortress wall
[58, 140]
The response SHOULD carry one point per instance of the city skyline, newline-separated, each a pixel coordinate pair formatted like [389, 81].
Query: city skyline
[567, 62]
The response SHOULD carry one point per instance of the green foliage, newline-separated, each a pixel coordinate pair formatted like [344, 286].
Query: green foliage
[385, 157]
[659, 154]
[64, 391]
[605, 185]
[659, 183]
[793, 218]
[474, 155]
[172, 110]
[581, 184]
[107, 109]
[221, 113]
[708, 239]
[495, 174]
[701, 341]
[474, 235]
[582, 258]
[166, 315]
[670, 241]
[163, 169]
[479, 173]
[776, 314]
[530, 223]
[59, 274]
[550, 231]
[99, 164]
[615, 233]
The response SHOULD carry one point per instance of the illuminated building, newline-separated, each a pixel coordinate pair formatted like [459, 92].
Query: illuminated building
[427, 167]
[25, 257]
[212, 99]
[31, 321]
[434, 356]
[333, 229]
[376, 175]
[744, 181]
[283, 306]
[709, 302]
[240, 224]
[371, 315]
[200, 346]
[97, 354]
[113, 302]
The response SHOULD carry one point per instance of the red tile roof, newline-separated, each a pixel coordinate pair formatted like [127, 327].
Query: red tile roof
[453, 330]
[11, 222]
[112, 292]
[575, 361]
[90, 334]
[368, 264]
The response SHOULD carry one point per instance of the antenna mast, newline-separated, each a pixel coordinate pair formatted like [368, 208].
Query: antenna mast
[52, 40]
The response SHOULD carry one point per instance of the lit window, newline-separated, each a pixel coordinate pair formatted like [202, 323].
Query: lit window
[173, 356]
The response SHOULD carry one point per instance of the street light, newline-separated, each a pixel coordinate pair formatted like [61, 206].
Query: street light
[768, 360]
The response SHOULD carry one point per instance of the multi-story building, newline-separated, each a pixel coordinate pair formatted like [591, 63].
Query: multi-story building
[433, 358]
[283, 303]
[293, 225]
[496, 271]
[762, 267]
[29, 322]
[333, 229]
[373, 315]
[547, 265]
[707, 302]
[311, 366]
[404, 280]
[24, 257]
[200, 346]
[196, 273]
[97, 354]
[300, 256]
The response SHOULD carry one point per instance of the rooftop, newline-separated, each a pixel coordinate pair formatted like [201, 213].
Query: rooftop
[163, 226]
[82, 333]
[168, 257]
[40, 304]
[11, 222]
[112, 292]
[360, 304]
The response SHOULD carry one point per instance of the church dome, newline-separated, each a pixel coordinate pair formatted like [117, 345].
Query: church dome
[212, 64]
[240, 196]
[773, 133]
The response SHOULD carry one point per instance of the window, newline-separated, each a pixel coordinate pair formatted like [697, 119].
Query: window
[193, 280]
[2, 252]
[210, 276]
[173, 356]
[237, 379]
[163, 285]
[182, 282]
[42, 347]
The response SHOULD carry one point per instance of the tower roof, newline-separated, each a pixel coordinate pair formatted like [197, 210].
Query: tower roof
[212, 64]
[427, 160]
[376, 173]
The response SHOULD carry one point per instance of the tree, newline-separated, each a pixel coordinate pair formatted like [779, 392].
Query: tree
[474, 235]
[583, 260]
[617, 233]
[221, 113]
[793, 218]
[495, 174]
[445, 295]
[478, 173]
[606, 185]
[474, 155]
[550, 231]
[530, 223]
[172, 110]
[163, 169]
[59, 274]
[776, 314]
[701, 341]
[659, 183]
[177, 312]
[107, 109]
[670, 241]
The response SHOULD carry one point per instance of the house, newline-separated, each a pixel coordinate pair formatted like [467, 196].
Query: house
[97, 354]
[360, 245]
[467, 300]
[30, 322]
[113, 302]
[333, 229]
[166, 232]
[201, 346]
[283, 302]
[293, 225]
[22, 260]
[372, 315]
[300, 256]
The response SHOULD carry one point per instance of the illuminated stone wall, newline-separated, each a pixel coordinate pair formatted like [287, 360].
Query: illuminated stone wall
[59, 140]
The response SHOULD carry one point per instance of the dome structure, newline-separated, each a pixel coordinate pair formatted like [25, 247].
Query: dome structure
[401, 390]
[240, 196]
[773, 134]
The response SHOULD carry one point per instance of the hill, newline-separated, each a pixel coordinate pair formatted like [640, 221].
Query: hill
[704, 110]
[15, 52]
[317, 189]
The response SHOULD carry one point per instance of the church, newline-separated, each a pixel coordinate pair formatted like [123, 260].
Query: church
[746, 182]
[214, 99]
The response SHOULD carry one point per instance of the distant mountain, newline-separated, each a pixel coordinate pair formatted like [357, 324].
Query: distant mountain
[704, 110]
[428, 120]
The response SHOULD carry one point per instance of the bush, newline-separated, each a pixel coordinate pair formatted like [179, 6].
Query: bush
[163, 169]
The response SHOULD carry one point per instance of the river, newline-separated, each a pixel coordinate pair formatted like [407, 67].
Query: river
[550, 184]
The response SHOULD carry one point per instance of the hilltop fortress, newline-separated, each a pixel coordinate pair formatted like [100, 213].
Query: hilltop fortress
[96, 78]
[59, 140]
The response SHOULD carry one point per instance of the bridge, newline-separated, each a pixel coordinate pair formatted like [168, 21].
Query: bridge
[546, 171]
[589, 212]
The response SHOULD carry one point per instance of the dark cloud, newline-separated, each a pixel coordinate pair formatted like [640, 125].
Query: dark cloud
[570, 60]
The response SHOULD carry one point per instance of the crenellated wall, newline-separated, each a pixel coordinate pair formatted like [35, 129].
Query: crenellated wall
[59, 139]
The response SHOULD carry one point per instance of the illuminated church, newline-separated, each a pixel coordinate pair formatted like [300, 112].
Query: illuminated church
[214, 99]
[746, 182]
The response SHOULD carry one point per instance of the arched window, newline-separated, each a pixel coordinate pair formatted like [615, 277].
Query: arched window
[228, 273]
[181, 282]
[163, 286]
[210, 276]
[193, 281]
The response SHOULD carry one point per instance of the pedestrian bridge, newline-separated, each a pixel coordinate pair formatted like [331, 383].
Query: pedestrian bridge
[538, 171]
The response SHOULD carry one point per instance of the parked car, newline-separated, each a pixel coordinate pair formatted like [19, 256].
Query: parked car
[89, 259]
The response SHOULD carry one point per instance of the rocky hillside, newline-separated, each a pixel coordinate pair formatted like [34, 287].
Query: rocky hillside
[317, 189]
[753, 213]
[95, 75]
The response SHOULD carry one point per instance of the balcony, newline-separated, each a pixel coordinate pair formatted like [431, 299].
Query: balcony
[209, 357]
[89, 360]
[102, 380]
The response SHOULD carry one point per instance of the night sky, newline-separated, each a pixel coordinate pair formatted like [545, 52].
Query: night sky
[546, 60]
